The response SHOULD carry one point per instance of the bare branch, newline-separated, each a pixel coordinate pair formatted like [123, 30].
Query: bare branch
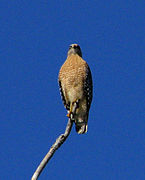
[59, 141]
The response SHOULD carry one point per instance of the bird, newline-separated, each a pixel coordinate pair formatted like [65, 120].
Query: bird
[76, 88]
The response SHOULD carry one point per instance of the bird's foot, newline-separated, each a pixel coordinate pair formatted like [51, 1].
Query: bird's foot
[73, 108]
[69, 114]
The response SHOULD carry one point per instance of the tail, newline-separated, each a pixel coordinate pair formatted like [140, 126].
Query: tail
[80, 117]
[81, 128]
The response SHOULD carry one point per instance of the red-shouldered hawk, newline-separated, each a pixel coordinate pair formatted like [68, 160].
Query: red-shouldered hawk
[75, 81]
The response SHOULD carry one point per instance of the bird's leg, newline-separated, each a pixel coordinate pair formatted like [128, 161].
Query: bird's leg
[73, 106]
[70, 111]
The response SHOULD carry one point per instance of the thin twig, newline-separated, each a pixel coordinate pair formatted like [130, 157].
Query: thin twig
[59, 141]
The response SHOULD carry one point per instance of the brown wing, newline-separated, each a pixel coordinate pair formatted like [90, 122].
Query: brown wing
[67, 106]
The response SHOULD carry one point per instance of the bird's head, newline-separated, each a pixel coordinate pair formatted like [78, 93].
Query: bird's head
[74, 49]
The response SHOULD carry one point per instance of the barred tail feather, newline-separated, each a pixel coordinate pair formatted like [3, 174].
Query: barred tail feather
[81, 128]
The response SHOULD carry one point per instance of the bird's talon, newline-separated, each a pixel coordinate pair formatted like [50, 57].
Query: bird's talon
[68, 115]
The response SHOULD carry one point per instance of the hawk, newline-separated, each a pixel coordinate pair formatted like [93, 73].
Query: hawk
[75, 82]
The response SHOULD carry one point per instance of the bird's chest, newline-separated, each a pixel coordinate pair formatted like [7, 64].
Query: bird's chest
[72, 77]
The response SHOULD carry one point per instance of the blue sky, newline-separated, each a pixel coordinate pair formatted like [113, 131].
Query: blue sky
[35, 36]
